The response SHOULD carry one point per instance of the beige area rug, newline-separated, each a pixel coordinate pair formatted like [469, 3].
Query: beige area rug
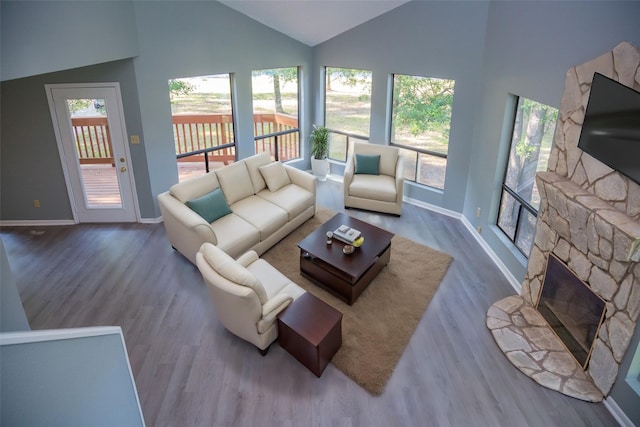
[378, 326]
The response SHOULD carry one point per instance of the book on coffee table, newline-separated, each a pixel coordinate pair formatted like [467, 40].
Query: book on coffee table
[346, 234]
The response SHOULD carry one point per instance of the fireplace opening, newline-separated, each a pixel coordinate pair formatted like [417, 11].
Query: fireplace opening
[572, 310]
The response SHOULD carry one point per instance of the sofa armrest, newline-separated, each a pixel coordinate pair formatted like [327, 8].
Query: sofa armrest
[247, 258]
[302, 179]
[348, 175]
[399, 178]
[275, 305]
[186, 230]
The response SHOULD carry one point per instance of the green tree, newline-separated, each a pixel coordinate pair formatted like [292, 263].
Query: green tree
[279, 76]
[422, 104]
[348, 77]
[179, 87]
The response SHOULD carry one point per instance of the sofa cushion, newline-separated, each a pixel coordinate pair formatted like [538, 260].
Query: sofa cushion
[211, 206]
[194, 187]
[291, 198]
[275, 175]
[374, 187]
[368, 164]
[234, 235]
[266, 217]
[233, 271]
[235, 182]
[274, 282]
[253, 163]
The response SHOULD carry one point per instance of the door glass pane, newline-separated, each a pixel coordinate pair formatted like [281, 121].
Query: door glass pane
[98, 172]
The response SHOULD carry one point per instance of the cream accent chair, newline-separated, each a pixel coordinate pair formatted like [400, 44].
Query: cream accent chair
[247, 293]
[380, 193]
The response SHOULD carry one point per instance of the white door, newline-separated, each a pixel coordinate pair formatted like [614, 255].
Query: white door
[92, 139]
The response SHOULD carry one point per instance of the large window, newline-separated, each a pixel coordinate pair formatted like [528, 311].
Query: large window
[531, 139]
[202, 117]
[420, 124]
[275, 112]
[347, 108]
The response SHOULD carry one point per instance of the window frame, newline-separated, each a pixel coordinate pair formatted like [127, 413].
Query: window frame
[417, 150]
[349, 136]
[206, 151]
[278, 134]
[504, 188]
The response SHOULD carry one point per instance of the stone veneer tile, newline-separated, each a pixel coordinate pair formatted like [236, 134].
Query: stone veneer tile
[536, 351]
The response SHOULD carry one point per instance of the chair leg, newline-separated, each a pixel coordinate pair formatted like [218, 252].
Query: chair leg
[264, 352]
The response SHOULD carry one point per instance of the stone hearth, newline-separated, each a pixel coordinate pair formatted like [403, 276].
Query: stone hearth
[531, 346]
[590, 219]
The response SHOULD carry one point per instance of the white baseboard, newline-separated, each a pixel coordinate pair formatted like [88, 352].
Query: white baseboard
[617, 412]
[35, 223]
[44, 223]
[157, 220]
[517, 286]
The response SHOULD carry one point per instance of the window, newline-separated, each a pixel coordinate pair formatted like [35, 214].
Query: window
[275, 112]
[531, 139]
[420, 124]
[347, 108]
[202, 117]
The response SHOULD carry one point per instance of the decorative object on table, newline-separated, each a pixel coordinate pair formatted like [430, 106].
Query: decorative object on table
[358, 242]
[346, 234]
[329, 237]
[320, 151]
[348, 249]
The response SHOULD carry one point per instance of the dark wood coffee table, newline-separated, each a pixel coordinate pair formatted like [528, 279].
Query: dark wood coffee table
[346, 276]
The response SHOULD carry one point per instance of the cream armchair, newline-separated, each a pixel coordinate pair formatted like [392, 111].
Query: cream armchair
[247, 293]
[374, 179]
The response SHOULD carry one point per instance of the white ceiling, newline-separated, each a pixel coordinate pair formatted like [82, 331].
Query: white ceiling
[312, 21]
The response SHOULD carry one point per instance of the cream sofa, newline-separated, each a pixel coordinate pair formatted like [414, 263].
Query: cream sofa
[265, 201]
[247, 293]
[377, 185]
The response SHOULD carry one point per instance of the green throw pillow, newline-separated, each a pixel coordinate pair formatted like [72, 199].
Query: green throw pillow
[211, 206]
[368, 164]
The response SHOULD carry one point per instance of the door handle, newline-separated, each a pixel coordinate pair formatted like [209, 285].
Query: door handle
[123, 169]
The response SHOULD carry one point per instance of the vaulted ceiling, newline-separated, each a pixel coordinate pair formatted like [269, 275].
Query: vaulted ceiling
[312, 21]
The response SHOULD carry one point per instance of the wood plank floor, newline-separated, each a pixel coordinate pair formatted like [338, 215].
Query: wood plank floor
[191, 372]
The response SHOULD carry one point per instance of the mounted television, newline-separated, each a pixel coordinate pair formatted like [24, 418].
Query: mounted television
[611, 128]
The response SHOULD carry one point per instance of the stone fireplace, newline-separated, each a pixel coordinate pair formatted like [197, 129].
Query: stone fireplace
[589, 219]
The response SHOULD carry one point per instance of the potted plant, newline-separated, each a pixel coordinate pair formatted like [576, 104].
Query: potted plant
[320, 151]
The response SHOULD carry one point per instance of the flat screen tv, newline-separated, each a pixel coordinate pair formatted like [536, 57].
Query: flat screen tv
[611, 128]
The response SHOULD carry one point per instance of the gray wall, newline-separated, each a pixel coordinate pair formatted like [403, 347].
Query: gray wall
[434, 39]
[12, 315]
[44, 36]
[175, 39]
[81, 381]
[30, 166]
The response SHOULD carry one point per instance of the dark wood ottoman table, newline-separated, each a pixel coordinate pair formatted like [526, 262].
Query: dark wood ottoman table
[311, 331]
[346, 276]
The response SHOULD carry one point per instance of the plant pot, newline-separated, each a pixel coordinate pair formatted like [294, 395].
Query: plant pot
[320, 168]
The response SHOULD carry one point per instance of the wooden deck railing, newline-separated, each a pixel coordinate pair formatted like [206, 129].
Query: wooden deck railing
[288, 144]
[93, 140]
[193, 132]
